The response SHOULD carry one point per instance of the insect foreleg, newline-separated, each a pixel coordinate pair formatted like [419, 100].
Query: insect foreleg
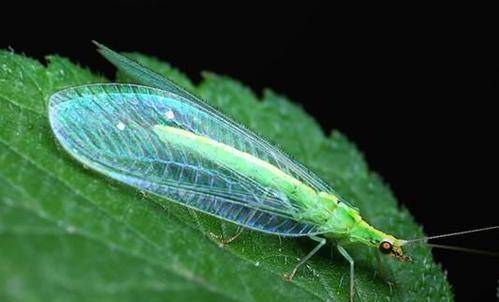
[321, 241]
[345, 254]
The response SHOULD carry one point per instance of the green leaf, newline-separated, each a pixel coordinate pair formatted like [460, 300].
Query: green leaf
[69, 234]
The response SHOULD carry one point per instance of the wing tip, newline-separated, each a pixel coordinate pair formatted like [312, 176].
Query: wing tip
[103, 49]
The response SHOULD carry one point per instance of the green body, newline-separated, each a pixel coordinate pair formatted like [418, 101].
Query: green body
[337, 219]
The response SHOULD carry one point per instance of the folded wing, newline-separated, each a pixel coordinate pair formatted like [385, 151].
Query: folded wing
[109, 127]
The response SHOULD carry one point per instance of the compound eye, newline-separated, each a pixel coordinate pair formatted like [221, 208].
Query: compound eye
[385, 247]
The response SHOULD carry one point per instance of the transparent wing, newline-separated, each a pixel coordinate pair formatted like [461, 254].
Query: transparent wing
[108, 127]
[251, 142]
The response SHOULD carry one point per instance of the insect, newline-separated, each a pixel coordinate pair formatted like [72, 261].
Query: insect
[161, 139]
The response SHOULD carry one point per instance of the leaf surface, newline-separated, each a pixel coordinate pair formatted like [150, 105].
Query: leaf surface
[69, 234]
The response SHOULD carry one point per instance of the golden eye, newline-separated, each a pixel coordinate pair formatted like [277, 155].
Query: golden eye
[385, 247]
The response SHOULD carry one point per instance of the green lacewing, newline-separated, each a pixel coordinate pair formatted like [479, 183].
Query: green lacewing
[161, 139]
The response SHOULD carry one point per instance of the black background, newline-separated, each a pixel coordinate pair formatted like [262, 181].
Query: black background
[414, 88]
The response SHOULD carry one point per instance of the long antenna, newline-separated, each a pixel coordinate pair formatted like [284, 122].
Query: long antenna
[452, 234]
[463, 249]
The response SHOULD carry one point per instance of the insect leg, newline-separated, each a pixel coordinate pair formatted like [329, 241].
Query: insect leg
[345, 254]
[331, 252]
[384, 274]
[321, 241]
[230, 239]
[239, 231]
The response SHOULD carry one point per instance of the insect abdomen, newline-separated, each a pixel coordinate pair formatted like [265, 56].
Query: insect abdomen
[242, 162]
